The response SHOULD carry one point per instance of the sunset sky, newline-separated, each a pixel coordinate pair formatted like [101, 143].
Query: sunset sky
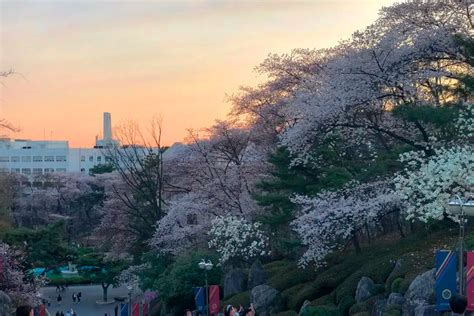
[137, 59]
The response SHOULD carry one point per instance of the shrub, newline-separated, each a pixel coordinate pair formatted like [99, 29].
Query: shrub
[345, 304]
[238, 299]
[396, 285]
[320, 311]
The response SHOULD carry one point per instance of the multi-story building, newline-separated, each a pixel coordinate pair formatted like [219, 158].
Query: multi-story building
[32, 158]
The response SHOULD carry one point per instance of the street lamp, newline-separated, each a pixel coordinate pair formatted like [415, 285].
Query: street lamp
[462, 209]
[130, 288]
[206, 266]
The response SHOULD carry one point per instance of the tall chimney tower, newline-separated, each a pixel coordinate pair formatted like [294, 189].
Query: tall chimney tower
[107, 126]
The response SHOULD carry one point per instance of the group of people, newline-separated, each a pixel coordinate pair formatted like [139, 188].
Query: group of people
[229, 310]
[68, 313]
[76, 297]
[61, 288]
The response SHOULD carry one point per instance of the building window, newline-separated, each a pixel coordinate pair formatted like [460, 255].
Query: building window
[15, 170]
[37, 171]
[25, 158]
[60, 158]
[91, 158]
[49, 158]
[15, 158]
[83, 170]
[108, 159]
[99, 158]
[60, 169]
[26, 170]
[4, 159]
[83, 158]
[48, 170]
[4, 170]
[37, 158]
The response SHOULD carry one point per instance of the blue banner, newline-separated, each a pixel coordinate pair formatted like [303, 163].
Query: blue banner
[123, 309]
[445, 287]
[200, 298]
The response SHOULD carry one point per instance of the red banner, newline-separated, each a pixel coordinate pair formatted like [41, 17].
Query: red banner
[214, 299]
[470, 280]
[145, 309]
[42, 310]
[136, 309]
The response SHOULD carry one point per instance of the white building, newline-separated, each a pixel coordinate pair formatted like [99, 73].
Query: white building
[31, 157]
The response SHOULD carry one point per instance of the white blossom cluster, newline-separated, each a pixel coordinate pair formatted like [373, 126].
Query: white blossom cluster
[428, 184]
[235, 239]
[129, 277]
[328, 221]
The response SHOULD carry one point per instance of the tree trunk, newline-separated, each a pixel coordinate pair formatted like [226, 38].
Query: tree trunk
[355, 242]
[105, 287]
[367, 230]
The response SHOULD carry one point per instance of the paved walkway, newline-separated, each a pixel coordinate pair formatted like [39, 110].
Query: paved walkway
[88, 305]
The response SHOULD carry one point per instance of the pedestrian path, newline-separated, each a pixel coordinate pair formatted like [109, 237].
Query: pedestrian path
[87, 306]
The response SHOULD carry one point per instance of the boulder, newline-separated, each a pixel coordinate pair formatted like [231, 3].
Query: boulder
[5, 304]
[266, 300]
[422, 290]
[365, 289]
[379, 307]
[234, 282]
[427, 310]
[257, 275]
[395, 299]
[397, 272]
[303, 307]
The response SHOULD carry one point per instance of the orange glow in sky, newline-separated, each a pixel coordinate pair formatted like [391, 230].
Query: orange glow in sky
[139, 59]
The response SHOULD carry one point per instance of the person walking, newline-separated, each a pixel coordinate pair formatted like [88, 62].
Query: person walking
[62, 314]
[79, 296]
[68, 313]
[58, 314]
[74, 296]
[59, 299]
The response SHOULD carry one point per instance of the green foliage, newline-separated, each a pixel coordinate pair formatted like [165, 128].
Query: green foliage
[345, 304]
[176, 282]
[285, 274]
[101, 169]
[396, 286]
[44, 247]
[287, 313]
[107, 271]
[435, 115]
[238, 299]
[75, 280]
[320, 311]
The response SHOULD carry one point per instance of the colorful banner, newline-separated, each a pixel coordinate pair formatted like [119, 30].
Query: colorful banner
[214, 299]
[445, 275]
[470, 280]
[136, 309]
[145, 309]
[42, 310]
[123, 309]
[200, 298]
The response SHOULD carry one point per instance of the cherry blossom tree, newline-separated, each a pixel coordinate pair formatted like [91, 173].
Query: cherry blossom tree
[13, 280]
[395, 62]
[219, 171]
[330, 220]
